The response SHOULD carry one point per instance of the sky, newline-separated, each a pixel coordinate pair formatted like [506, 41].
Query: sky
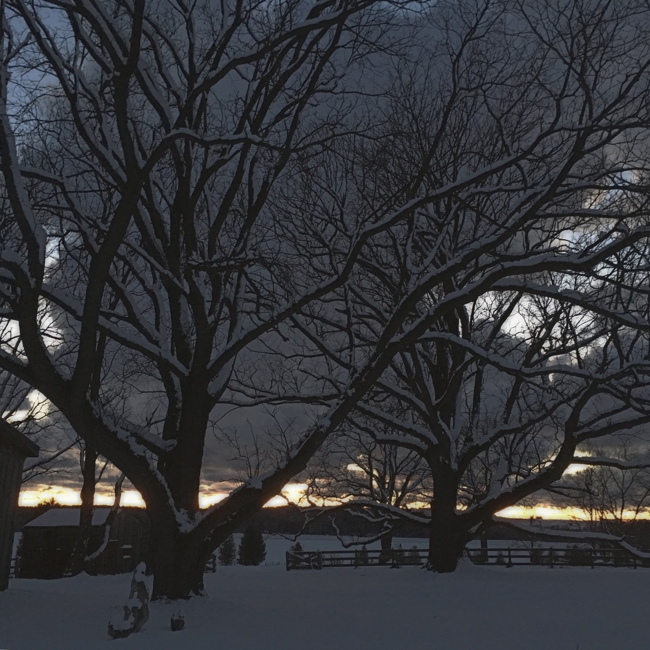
[33, 495]
[220, 476]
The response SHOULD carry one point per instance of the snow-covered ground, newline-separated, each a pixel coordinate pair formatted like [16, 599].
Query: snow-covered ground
[268, 608]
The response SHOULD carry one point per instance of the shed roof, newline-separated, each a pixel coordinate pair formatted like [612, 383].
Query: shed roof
[13, 437]
[55, 517]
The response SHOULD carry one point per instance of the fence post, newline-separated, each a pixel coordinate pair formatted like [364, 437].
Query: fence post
[509, 565]
[551, 557]
[591, 554]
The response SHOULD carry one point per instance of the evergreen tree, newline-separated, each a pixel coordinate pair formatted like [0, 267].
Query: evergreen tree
[228, 552]
[252, 549]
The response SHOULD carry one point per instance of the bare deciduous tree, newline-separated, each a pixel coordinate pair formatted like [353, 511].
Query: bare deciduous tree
[149, 139]
[508, 314]
[358, 473]
[612, 487]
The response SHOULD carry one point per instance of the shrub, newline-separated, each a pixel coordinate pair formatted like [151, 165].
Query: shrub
[227, 552]
[296, 548]
[252, 549]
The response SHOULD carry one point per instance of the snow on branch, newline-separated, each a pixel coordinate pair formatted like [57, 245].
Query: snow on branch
[617, 463]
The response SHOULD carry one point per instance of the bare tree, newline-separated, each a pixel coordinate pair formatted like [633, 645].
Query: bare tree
[357, 473]
[508, 314]
[613, 493]
[136, 221]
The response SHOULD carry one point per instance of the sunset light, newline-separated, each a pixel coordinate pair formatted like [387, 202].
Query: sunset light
[292, 493]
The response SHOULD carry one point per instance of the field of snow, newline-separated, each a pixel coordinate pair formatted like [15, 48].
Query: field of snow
[373, 608]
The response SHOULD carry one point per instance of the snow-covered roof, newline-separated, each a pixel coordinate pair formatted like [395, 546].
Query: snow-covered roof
[66, 517]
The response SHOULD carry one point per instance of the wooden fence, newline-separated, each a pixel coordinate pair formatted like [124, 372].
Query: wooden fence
[359, 557]
[508, 557]
[570, 556]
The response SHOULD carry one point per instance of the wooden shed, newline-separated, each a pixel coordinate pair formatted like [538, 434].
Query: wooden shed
[14, 449]
[48, 541]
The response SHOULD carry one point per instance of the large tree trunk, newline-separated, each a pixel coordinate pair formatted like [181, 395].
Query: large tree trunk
[446, 543]
[177, 562]
[447, 536]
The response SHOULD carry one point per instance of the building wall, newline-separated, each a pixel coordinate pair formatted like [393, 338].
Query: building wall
[46, 550]
[11, 466]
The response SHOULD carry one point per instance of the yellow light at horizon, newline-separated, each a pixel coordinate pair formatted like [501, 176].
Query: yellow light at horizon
[63, 496]
[292, 493]
[131, 498]
[543, 512]
[70, 497]
[550, 512]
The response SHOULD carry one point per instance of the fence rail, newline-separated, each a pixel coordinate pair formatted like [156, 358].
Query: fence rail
[360, 557]
[508, 557]
[571, 556]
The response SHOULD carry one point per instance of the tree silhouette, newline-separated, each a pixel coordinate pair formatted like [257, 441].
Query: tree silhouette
[228, 552]
[252, 549]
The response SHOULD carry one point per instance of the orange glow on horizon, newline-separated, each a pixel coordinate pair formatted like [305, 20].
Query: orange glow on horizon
[292, 493]
[69, 497]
